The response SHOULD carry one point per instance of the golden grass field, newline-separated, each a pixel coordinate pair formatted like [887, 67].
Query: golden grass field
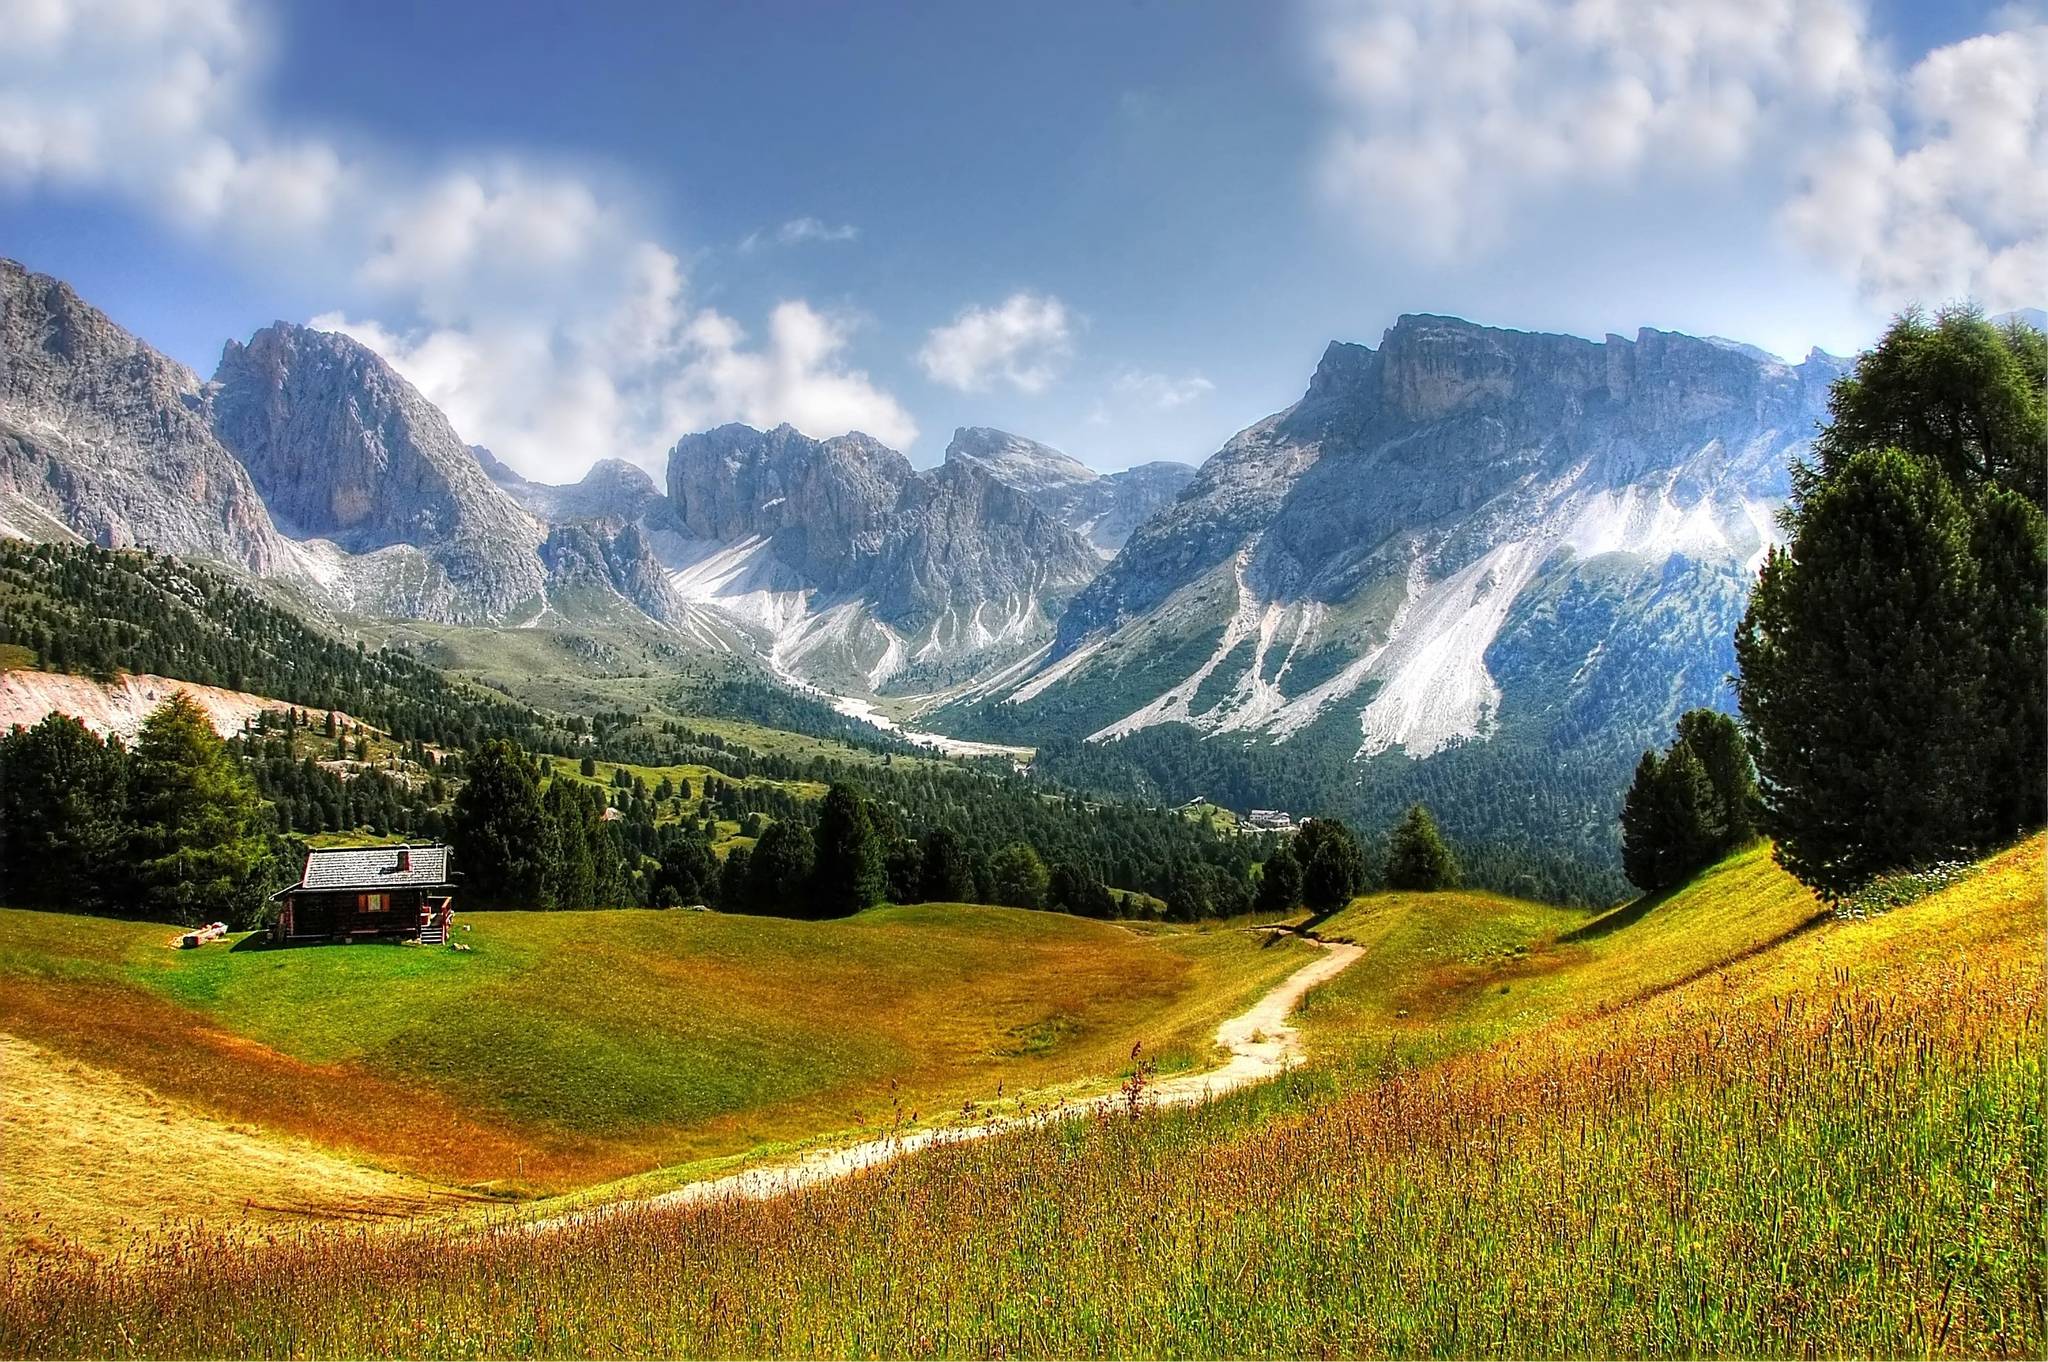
[566, 1049]
[1717, 1123]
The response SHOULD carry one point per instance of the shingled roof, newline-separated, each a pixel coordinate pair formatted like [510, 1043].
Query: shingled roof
[375, 868]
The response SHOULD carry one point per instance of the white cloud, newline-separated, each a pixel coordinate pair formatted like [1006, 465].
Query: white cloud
[527, 300]
[799, 231]
[1160, 390]
[1024, 341]
[1452, 117]
[1952, 199]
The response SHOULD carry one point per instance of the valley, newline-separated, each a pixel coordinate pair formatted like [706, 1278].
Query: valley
[1323, 902]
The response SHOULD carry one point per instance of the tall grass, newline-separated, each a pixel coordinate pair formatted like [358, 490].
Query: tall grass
[1852, 1165]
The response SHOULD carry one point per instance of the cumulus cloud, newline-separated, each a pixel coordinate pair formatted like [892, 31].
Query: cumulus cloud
[1160, 390]
[529, 301]
[1451, 116]
[1950, 197]
[799, 231]
[1024, 341]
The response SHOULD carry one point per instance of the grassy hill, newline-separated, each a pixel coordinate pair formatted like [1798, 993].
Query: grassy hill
[565, 1049]
[1716, 1125]
[1448, 972]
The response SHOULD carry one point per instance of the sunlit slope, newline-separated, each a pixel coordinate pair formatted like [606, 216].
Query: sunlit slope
[1447, 971]
[567, 1048]
[1826, 1144]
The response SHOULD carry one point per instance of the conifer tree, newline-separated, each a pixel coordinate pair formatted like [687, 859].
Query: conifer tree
[500, 831]
[1279, 883]
[1417, 858]
[948, 872]
[1018, 877]
[1891, 656]
[779, 872]
[63, 817]
[199, 827]
[850, 870]
[1332, 866]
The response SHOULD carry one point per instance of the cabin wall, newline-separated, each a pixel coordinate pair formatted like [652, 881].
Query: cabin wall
[344, 914]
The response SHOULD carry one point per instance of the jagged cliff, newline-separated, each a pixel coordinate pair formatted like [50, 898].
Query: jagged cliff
[856, 570]
[1421, 541]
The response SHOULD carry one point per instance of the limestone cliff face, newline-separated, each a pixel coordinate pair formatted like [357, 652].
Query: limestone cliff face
[858, 570]
[103, 438]
[344, 449]
[1461, 532]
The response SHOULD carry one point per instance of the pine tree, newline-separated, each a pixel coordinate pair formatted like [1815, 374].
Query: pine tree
[1018, 877]
[1332, 866]
[779, 873]
[63, 817]
[736, 882]
[1863, 675]
[199, 826]
[1417, 858]
[948, 872]
[570, 866]
[850, 872]
[1891, 656]
[1279, 884]
[500, 831]
[1718, 743]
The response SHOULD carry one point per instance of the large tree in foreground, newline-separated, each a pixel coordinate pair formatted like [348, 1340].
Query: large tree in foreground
[1891, 656]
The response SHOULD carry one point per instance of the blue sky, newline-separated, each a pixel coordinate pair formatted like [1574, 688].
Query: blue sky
[1124, 229]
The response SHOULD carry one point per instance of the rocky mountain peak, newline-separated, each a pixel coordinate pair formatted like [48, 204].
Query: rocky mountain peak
[102, 437]
[343, 448]
[1024, 464]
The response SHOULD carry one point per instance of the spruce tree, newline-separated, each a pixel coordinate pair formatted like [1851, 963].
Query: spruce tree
[500, 831]
[1891, 656]
[1722, 750]
[1279, 883]
[1417, 858]
[63, 818]
[1332, 866]
[1863, 676]
[1018, 877]
[779, 872]
[948, 871]
[199, 827]
[850, 870]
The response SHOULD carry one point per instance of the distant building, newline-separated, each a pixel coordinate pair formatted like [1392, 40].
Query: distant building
[1270, 820]
[402, 893]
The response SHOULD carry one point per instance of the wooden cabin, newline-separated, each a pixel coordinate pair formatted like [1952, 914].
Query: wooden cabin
[402, 893]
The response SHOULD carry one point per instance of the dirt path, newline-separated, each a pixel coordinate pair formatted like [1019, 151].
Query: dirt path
[1260, 1041]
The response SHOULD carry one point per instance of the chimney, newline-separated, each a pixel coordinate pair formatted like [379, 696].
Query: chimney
[404, 860]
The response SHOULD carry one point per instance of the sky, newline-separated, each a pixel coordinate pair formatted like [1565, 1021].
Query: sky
[1126, 228]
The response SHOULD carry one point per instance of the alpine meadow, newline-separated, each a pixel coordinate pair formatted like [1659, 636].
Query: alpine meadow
[547, 809]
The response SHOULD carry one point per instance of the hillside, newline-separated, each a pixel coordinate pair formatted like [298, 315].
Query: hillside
[1592, 1182]
[565, 1049]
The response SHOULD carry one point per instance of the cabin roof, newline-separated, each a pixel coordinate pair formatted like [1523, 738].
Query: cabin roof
[374, 868]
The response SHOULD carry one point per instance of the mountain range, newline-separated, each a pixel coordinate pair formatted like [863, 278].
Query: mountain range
[1463, 545]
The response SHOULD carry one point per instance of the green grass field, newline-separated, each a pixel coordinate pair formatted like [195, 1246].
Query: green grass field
[1729, 1130]
[565, 1049]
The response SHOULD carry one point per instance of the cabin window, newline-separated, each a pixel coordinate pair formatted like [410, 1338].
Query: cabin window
[373, 903]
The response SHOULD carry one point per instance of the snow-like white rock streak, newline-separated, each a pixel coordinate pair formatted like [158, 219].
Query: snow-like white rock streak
[1435, 687]
[1431, 685]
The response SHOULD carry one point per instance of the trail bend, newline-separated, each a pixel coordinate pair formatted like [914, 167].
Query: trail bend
[1260, 1042]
